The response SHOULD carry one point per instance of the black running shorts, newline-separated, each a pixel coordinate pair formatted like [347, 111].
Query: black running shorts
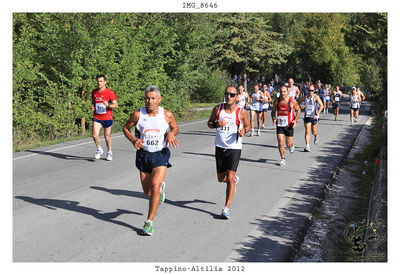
[227, 159]
[287, 131]
[310, 120]
[146, 161]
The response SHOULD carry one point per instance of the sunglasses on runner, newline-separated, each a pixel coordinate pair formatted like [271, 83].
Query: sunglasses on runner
[230, 94]
[311, 90]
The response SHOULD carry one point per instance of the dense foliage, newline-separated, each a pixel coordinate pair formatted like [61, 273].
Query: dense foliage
[190, 56]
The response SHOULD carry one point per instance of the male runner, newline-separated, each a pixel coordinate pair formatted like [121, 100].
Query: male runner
[242, 99]
[257, 98]
[354, 103]
[267, 90]
[326, 97]
[293, 90]
[361, 96]
[314, 106]
[335, 96]
[232, 123]
[285, 121]
[152, 156]
[103, 101]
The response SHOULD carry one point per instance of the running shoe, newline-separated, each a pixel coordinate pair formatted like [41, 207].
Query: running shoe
[263, 126]
[291, 149]
[98, 153]
[148, 228]
[109, 156]
[282, 162]
[355, 119]
[162, 193]
[259, 132]
[252, 133]
[225, 213]
[307, 149]
[316, 139]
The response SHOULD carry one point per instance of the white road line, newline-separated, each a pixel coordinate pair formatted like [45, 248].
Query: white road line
[79, 144]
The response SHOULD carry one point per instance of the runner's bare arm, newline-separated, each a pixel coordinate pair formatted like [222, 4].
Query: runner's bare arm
[212, 121]
[321, 105]
[273, 112]
[298, 112]
[114, 104]
[171, 140]
[246, 124]
[133, 120]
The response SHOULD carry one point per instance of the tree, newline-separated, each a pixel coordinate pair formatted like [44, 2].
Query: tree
[246, 41]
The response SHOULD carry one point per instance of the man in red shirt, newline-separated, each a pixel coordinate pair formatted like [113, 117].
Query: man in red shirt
[285, 120]
[103, 101]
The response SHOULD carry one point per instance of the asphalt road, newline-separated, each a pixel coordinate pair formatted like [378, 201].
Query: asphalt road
[68, 207]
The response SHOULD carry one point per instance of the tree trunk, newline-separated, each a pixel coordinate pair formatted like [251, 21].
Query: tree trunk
[83, 128]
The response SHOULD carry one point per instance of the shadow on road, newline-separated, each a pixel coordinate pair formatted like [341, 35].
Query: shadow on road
[74, 206]
[182, 204]
[277, 237]
[62, 156]
[261, 160]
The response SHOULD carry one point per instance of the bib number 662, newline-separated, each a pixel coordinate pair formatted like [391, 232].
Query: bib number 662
[151, 142]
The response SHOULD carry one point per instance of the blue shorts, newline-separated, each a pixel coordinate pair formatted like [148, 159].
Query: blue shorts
[310, 120]
[354, 109]
[146, 161]
[104, 123]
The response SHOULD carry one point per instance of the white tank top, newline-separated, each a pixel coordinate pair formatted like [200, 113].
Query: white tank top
[265, 105]
[227, 137]
[256, 103]
[152, 130]
[352, 103]
[242, 101]
[311, 107]
[292, 92]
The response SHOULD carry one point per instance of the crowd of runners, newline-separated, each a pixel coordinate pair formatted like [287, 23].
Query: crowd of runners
[156, 128]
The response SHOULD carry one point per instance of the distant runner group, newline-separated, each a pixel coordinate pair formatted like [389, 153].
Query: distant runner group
[156, 129]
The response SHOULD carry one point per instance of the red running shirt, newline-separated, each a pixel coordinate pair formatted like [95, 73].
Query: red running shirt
[285, 114]
[101, 112]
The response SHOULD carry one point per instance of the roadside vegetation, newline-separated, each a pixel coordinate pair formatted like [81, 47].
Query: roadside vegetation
[190, 56]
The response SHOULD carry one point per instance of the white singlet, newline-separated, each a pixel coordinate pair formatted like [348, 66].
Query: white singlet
[354, 104]
[152, 130]
[311, 107]
[228, 137]
[292, 92]
[242, 101]
[265, 105]
[256, 103]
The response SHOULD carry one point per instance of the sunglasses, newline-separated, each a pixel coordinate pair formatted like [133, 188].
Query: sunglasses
[230, 94]
[311, 90]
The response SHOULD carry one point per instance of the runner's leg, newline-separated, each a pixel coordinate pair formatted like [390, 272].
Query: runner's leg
[107, 137]
[314, 129]
[289, 141]
[96, 133]
[157, 177]
[281, 145]
[307, 128]
[230, 187]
